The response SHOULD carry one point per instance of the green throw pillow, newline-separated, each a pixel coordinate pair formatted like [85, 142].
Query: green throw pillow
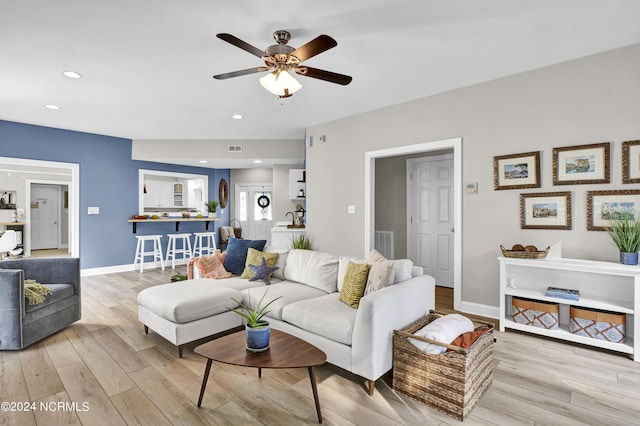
[254, 257]
[354, 282]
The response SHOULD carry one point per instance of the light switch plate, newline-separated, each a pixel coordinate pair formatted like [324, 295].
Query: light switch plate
[351, 209]
[93, 210]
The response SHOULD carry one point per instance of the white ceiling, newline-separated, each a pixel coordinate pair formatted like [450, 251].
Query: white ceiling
[148, 64]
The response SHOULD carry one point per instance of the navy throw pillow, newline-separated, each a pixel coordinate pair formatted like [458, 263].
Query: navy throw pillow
[237, 253]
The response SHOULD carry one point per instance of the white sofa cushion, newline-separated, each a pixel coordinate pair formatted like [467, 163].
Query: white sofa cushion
[176, 302]
[281, 262]
[313, 268]
[325, 316]
[290, 292]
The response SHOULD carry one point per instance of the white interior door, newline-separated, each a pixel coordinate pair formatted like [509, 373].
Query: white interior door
[430, 221]
[44, 216]
[254, 209]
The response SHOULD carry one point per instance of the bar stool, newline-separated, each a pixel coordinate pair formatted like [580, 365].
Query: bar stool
[204, 242]
[141, 253]
[172, 251]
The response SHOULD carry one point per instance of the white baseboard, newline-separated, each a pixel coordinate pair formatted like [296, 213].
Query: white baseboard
[123, 268]
[481, 310]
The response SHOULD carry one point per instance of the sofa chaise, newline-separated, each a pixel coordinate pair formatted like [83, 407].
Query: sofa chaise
[308, 284]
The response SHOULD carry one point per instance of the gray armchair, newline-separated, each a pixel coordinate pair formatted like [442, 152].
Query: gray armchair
[23, 324]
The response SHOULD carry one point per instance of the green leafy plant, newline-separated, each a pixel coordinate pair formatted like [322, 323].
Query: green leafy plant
[625, 233]
[178, 277]
[252, 314]
[212, 205]
[301, 242]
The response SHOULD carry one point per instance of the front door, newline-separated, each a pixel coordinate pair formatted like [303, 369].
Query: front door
[44, 216]
[430, 218]
[254, 211]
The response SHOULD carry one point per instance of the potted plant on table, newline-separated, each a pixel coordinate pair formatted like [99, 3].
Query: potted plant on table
[258, 330]
[625, 233]
[212, 205]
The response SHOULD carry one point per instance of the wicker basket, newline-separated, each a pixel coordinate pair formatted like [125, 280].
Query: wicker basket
[524, 254]
[451, 382]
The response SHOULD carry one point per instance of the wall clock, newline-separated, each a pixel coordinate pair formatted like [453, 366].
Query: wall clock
[223, 193]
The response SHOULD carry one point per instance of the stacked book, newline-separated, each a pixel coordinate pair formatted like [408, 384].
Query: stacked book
[562, 293]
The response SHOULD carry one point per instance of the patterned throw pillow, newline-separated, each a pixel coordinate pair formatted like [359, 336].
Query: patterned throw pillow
[378, 276]
[254, 257]
[353, 286]
[237, 253]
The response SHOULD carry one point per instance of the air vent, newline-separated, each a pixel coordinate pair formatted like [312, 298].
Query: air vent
[234, 148]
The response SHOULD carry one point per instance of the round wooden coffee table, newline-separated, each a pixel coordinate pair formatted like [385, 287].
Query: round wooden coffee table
[285, 351]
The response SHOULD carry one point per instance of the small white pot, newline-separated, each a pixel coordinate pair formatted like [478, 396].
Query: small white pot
[212, 215]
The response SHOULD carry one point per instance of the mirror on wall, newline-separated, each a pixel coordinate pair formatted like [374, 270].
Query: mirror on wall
[169, 192]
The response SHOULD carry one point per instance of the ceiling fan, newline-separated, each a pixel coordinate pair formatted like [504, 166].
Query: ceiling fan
[281, 58]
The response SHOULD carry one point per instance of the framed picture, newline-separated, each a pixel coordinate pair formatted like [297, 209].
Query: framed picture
[545, 210]
[581, 164]
[517, 171]
[631, 162]
[604, 206]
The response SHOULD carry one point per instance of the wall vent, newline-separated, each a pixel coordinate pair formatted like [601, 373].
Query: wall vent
[234, 148]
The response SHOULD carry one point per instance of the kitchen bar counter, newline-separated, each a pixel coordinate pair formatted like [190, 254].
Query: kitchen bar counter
[177, 221]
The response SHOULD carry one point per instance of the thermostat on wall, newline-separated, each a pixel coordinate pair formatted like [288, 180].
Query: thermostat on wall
[471, 188]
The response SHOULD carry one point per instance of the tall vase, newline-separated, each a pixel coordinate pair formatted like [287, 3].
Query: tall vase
[628, 258]
[258, 337]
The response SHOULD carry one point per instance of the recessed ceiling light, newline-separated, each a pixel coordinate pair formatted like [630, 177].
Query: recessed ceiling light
[71, 74]
[257, 161]
[236, 117]
[51, 106]
[203, 161]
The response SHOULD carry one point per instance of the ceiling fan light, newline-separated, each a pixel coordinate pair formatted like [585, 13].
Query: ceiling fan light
[280, 83]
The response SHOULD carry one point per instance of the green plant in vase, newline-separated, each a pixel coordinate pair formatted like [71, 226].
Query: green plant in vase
[258, 330]
[301, 242]
[625, 233]
[212, 205]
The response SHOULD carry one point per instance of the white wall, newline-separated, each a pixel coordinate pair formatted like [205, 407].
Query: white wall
[589, 100]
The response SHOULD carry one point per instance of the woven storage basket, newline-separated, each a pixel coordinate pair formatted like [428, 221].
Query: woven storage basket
[451, 382]
[598, 324]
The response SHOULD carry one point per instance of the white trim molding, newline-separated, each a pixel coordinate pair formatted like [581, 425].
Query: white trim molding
[369, 199]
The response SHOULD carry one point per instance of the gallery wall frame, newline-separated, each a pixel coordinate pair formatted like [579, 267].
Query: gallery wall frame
[604, 206]
[582, 164]
[631, 161]
[546, 210]
[517, 171]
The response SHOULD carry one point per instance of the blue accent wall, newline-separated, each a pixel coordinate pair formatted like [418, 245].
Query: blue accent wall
[109, 180]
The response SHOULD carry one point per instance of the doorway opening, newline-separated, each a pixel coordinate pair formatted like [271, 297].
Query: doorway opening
[254, 210]
[21, 173]
[374, 208]
[49, 224]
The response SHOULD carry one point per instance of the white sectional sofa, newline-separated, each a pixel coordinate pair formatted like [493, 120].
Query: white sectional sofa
[308, 284]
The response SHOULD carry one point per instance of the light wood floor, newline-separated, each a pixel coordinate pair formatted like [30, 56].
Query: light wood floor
[108, 372]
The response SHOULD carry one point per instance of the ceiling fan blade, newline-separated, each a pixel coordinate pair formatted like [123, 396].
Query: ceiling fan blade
[332, 77]
[241, 44]
[239, 73]
[314, 47]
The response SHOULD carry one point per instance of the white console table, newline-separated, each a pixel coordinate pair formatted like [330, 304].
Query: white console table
[602, 285]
